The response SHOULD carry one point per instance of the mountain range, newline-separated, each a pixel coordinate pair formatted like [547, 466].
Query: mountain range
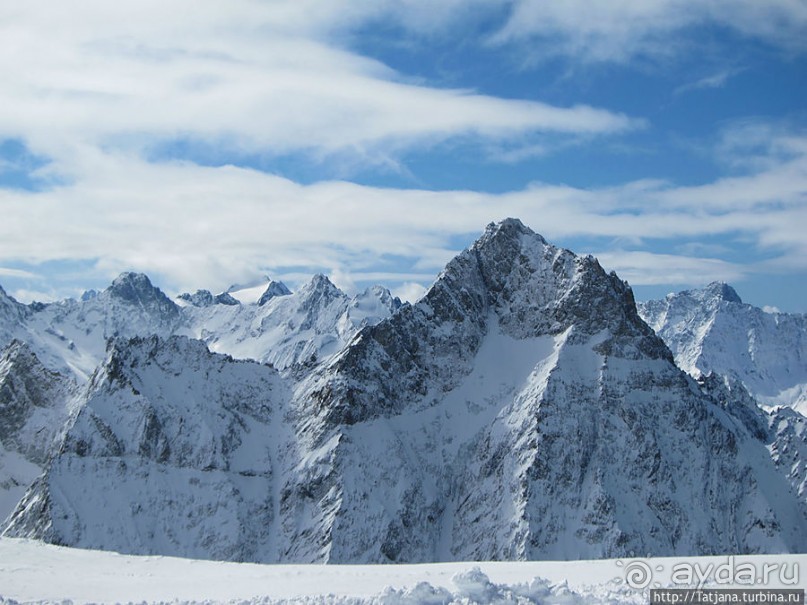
[523, 408]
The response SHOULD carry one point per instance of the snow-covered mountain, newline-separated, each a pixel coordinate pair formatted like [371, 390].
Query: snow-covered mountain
[35, 406]
[520, 410]
[12, 315]
[70, 336]
[712, 330]
[293, 331]
[66, 341]
[175, 450]
[755, 355]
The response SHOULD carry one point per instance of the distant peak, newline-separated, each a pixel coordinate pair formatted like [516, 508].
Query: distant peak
[226, 299]
[128, 279]
[508, 226]
[321, 282]
[247, 285]
[274, 289]
[203, 298]
[320, 289]
[381, 294]
[200, 298]
[136, 288]
[7, 296]
[721, 291]
[10, 308]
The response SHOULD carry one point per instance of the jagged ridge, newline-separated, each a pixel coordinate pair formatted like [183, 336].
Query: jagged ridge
[521, 409]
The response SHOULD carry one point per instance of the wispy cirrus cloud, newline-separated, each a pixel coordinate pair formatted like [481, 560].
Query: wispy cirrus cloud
[715, 80]
[603, 31]
[19, 273]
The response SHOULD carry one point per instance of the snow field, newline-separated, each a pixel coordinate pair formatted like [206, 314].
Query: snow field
[33, 572]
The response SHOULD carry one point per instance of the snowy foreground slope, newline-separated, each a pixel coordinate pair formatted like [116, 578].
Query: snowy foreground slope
[520, 410]
[32, 572]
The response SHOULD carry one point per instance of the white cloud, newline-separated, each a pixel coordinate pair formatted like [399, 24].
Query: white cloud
[608, 31]
[18, 273]
[25, 295]
[409, 291]
[649, 269]
[251, 77]
[716, 80]
[95, 87]
[194, 226]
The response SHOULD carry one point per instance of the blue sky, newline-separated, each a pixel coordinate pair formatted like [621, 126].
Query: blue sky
[208, 143]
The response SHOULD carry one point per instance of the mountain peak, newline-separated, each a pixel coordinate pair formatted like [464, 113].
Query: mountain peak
[721, 291]
[200, 298]
[137, 289]
[225, 298]
[204, 298]
[11, 312]
[274, 289]
[7, 300]
[129, 285]
[320, 284]
[509, 228]
[537, 288]
[510, 281]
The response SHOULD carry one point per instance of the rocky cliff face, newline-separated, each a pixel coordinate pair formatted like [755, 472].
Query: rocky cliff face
[35, 407]
[789, 447]
[522, 409]
[174, 451]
